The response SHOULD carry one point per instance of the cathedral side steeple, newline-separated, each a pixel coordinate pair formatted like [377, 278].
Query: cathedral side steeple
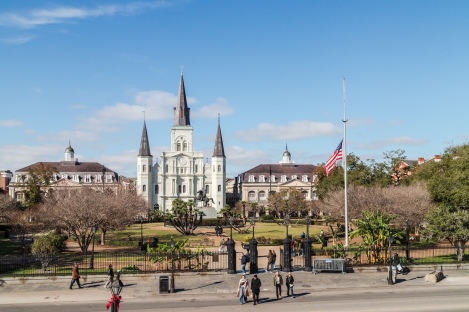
[144, 145]
[219, 150]
[181, 111]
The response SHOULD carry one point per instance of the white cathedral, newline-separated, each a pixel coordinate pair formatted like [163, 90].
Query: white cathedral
[182, 173]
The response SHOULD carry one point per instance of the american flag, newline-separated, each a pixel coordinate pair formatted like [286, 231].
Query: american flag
[337, 155]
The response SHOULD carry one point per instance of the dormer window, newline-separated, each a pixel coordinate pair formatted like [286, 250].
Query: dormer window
[252, 178]
[304, 178]
[261, 178]
[76, 178]
[283, 178]
[64, 176]
[272, 178]
[108, 178]
[294, 177]
[87, 178]
[99, 179]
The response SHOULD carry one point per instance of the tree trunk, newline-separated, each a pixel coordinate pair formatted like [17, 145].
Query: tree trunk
[103, 237]
[460, 246]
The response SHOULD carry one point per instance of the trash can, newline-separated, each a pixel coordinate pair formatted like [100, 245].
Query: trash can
[164, 284]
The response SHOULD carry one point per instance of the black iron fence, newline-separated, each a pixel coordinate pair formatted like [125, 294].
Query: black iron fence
[361, 256]
[135, 263]
[129, 263]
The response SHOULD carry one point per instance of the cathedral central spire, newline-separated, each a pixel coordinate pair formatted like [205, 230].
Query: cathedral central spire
[181, 111]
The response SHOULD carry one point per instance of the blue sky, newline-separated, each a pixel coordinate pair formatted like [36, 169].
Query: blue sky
[85, 71]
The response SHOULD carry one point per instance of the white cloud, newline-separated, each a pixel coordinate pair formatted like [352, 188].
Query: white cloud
[292, 131]
[10, 123]
[17, 40]
[58, 15]
[27, 155]
[403, 140]
[220, 106]
[65, 136]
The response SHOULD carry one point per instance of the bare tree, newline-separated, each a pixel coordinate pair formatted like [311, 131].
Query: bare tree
[287, 201]
[405, 202]
[79, 210]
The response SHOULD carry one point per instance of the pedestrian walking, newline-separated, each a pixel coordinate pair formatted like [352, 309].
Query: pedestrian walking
[75, 276]
[270, 256]
[278, 281]
[244, 260]
[289, 280]
[255, 289]
[242, 289]
[110, 276]
[222, 245]
[274, 258]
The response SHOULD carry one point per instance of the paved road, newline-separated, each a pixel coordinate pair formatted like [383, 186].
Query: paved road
[318, 292]
[415, 299]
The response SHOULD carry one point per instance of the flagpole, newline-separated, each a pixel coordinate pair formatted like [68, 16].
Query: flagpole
[345, 167]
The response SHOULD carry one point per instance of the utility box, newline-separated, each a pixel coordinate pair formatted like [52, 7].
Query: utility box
[329, 265]
[164, 284]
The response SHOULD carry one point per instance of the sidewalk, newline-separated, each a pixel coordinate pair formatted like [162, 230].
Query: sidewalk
[38, 290]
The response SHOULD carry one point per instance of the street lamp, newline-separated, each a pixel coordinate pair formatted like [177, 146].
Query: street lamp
[172, 265]
[93, 231]
[407, 250]
[307, 246]
[231, 250]
[390, 273]
[286, 247]
[253, 269]
[141, 230]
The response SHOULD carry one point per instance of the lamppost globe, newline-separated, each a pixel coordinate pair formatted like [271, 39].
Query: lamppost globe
[171, 243]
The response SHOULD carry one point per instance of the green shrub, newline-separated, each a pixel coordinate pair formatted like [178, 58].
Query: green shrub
[267, 218]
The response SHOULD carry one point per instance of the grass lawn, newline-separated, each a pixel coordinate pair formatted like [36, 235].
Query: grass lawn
[269, 230]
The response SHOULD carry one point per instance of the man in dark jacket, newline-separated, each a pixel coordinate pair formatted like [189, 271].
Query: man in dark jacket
[289, 283]
[256, 289]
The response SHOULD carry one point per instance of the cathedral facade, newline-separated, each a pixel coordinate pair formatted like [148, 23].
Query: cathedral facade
[182, 173]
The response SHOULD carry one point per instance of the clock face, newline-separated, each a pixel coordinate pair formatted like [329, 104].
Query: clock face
[182, 160]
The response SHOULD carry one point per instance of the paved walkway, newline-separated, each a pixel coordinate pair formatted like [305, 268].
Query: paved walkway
[37, 290]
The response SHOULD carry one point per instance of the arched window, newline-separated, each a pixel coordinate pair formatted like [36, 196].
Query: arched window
[252, 196]
[219, 188]
[183, 188]
[178, 147]
[305, 194]
[156, 189]
[144, 168]
[219, 168]
[184, 147]
[207, 189]
[144, 188]
[196, 168]
[262, 196]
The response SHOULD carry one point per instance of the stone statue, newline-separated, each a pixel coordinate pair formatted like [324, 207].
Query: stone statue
[202, 196]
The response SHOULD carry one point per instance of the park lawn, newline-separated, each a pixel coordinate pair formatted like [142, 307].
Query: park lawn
[164, 234]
